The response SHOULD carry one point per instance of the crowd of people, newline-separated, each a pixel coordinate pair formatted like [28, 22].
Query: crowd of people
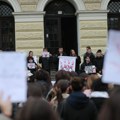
[71, 97]
[74, 95]
[89, 59]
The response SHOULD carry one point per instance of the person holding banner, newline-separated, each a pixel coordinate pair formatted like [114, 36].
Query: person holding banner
[60, 53]
[78, 60]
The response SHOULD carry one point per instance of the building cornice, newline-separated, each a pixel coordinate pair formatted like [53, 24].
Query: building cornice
[92, 15]
[28, 16]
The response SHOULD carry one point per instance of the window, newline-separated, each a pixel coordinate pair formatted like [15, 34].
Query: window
[114, 15]
[7, 29]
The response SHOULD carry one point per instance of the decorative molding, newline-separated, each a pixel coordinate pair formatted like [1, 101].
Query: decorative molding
[29, 16]
[15, 4]
[92, 15]
[104, 4]
[78, 4]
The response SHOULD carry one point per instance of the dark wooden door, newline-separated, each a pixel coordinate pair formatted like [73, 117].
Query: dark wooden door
[60, 26]
[52, 34]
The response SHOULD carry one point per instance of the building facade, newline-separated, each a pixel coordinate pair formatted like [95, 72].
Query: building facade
[35, 24]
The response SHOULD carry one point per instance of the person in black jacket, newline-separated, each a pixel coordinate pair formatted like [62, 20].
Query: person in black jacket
[78, 106]
[78, 60]
[45, 60]
[99, 61]
[90, 54]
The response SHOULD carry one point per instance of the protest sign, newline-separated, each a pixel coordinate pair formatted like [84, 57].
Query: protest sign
[31, 65]
[111, 71]
[67, 63]
[13, 76]
[90, 69]
[45, 54]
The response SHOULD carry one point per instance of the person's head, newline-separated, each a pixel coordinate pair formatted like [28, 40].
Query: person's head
[77, 84]
[72, 52]
[87, 59]
[36, 109]
[31, 53]
[42, 75]
[84, 76]
[45, 50]
[99, 53]
[91, 79]
[34, 90]
[98, 85]
[60, 50]
[62, 74]
[111, 109]
[73, 74]
[88, 49]
[30, 60]
[62, 85]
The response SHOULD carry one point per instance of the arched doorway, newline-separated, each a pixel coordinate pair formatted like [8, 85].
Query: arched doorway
[60, 26]
[7, 27]
[114, 15]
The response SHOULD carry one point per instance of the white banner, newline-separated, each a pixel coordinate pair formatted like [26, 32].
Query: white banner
[67, 63]
[111, 71]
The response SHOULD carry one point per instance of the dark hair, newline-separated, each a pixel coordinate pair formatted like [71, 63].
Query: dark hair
[30, 52]
[99, 51]
[73, 74]
[34, 90]
[111, 109]
[88, 47]
[98, 85]
[77, 84]
[36, 109]
[71, 52]
[62, 86]
[42, 75]
[62, 74]
[84, 76]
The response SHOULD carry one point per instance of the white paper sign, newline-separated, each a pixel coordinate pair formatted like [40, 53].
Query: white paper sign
[67, 63]
[111, 71]
[90, 69]
[13, 76]
[31, 65]
[45, 54]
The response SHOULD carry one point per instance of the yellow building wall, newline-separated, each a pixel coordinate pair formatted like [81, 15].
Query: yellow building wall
[28, 5]
[93, 33]
[29, 36]
[92, 4]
